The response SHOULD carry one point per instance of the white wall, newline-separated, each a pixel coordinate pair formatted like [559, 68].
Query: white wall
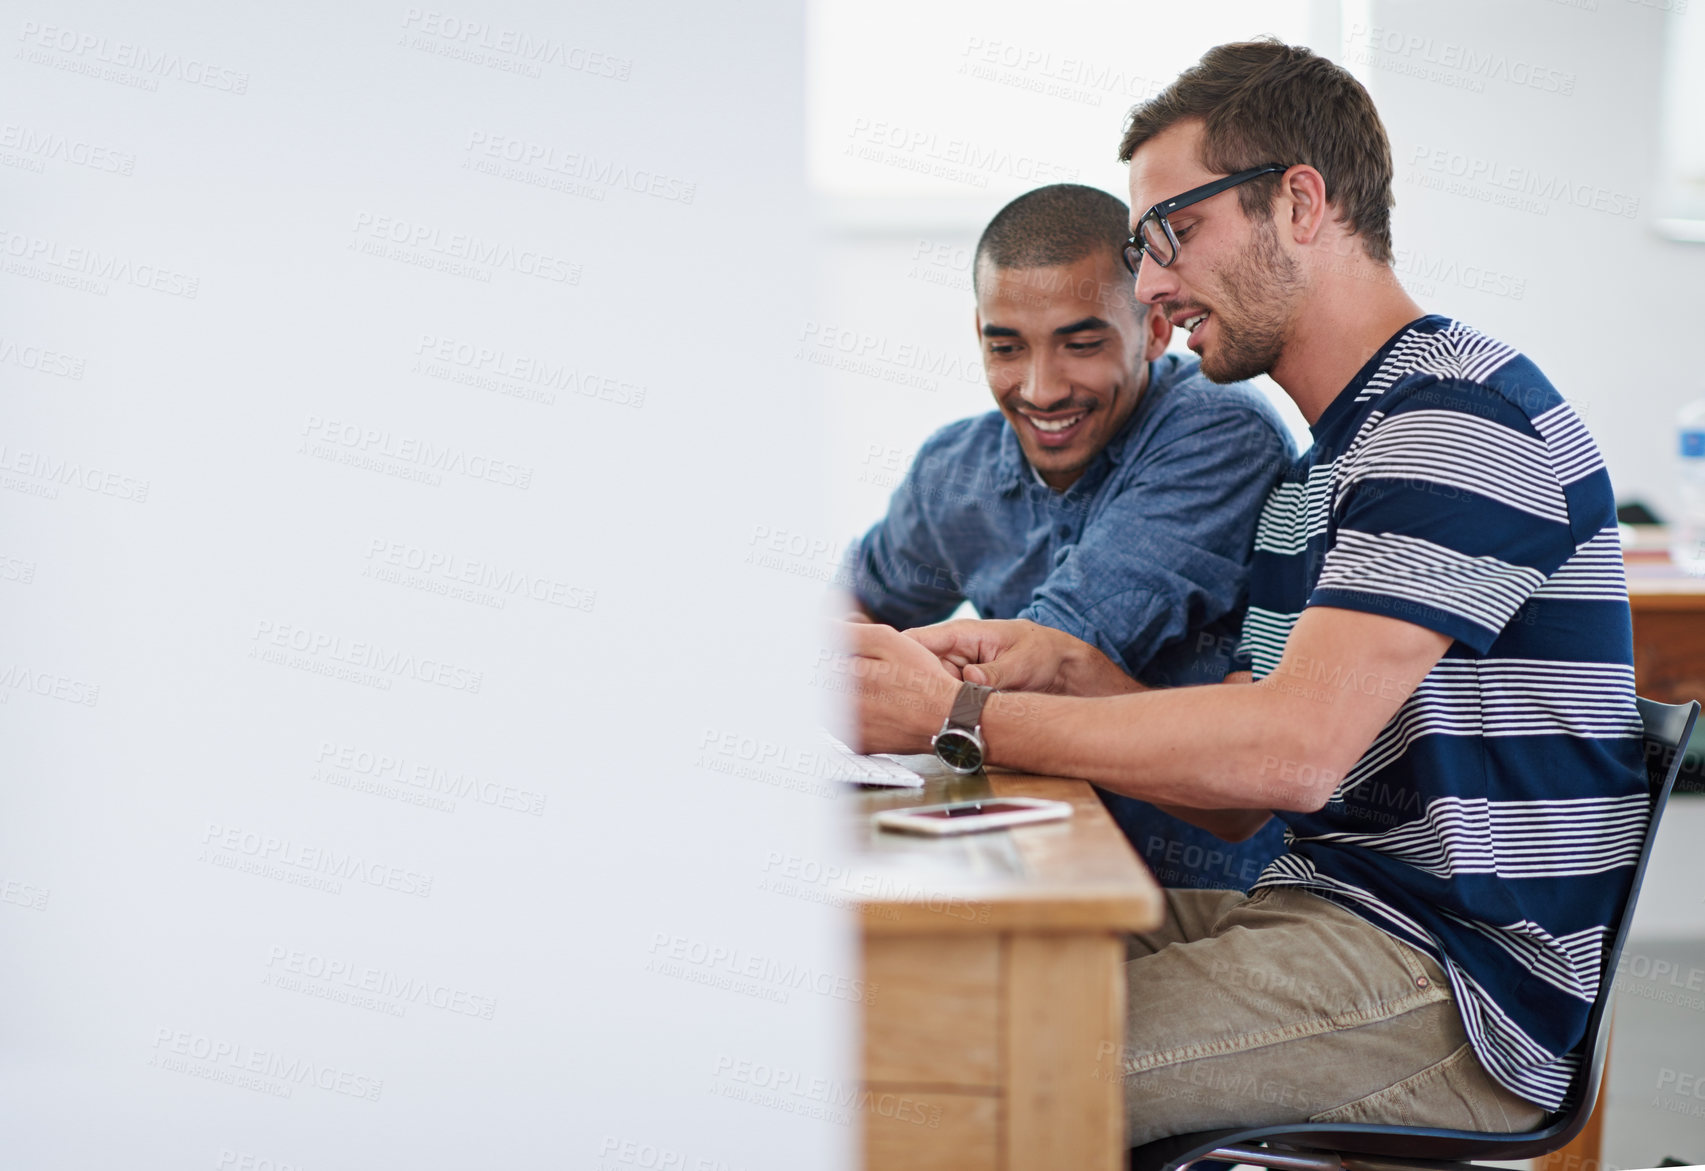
[1605, 305]
[585, 954]
[1672, 899]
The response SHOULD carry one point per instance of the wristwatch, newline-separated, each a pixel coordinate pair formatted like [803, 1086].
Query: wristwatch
[959, 744]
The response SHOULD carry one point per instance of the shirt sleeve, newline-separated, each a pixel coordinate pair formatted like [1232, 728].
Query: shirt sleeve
[1447, 517]
[1169, 553]
[898, 570]
[1242, 659]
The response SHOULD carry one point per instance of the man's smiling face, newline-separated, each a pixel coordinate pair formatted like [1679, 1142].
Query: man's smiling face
[1066, 353]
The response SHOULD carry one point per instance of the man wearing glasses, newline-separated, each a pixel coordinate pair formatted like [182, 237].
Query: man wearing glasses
[1113, 495]
[1439, 703]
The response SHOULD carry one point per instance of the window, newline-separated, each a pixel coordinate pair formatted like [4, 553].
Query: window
[1681, 186]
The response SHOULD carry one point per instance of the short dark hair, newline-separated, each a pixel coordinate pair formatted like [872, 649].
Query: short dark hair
[1058, 224]
[1268, 102]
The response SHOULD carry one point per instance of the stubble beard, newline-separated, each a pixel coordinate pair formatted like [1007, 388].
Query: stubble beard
[1261, 286]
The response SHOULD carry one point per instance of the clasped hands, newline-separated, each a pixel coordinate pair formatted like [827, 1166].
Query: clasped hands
[905, 681]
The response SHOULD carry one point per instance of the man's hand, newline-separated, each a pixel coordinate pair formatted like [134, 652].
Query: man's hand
[901, 692]
[1020, 655]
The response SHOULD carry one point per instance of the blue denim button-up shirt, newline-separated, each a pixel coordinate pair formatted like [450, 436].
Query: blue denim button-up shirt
[1146, 557]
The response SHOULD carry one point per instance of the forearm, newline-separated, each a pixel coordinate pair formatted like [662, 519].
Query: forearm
[1286, 742]
[1215, 747]
[1234, 825]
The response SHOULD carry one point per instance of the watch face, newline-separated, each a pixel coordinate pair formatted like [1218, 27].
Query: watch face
[959, 750]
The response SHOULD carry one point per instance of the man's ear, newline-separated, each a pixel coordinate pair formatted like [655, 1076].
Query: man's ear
[1157, 333]
[1304, 190]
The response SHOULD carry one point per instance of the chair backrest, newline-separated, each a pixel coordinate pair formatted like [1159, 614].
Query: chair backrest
[1667, 728]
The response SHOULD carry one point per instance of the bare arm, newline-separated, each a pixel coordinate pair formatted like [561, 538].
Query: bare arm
[1234, 825]
[1025, 656]
[1282, 743]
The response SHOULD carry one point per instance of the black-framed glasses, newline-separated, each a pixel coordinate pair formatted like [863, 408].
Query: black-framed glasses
[1154, 233]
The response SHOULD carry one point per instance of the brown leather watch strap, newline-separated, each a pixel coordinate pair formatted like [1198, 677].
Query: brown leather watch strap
[968, 705]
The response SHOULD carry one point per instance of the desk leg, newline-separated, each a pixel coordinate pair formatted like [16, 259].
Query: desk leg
[1065, 1022]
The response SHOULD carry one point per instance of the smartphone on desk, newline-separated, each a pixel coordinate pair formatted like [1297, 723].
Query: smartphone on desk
[969, 817]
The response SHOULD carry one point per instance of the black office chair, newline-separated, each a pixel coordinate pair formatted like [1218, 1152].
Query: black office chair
[1365, 1146]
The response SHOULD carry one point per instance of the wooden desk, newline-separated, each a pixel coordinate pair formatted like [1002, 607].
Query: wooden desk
[995, 991]
[1669, 628]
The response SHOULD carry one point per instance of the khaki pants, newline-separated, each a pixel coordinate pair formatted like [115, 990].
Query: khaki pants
[1284, 1007]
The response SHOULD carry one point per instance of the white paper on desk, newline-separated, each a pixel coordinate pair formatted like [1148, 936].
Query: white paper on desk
[843, 764]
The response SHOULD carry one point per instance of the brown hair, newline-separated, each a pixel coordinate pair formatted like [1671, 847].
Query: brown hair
[1267, 102]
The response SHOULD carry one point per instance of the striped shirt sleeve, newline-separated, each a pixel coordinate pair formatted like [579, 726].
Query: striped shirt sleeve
[1449, 514]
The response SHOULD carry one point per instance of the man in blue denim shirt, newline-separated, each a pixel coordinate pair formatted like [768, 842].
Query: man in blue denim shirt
[1113, 496]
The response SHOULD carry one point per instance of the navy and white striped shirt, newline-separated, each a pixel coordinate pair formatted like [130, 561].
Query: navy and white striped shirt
[1495, 821]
